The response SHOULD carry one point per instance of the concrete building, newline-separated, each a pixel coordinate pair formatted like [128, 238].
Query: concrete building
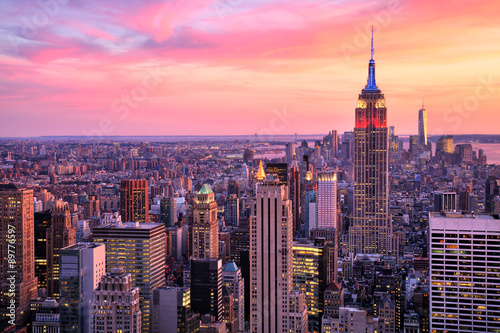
[17, 246]
[464, 272]
[115, 304]
[47, 318]
[140, 249]
[271, 235]
[350, 320]
[232, 280]
[171, 311]
[134, 200]
[297, 317]
[82, 266]
[327, 200]
[205, 225]
[60, 234]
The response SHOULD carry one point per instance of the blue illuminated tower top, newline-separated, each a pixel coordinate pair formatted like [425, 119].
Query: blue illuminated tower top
[371, 85]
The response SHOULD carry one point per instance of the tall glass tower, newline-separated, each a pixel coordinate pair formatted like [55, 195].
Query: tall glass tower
[371, 228]
[422, 126]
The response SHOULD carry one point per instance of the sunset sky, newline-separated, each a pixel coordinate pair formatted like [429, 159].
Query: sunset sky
[211, 67]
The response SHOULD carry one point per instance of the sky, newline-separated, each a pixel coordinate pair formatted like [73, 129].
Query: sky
[231, 67]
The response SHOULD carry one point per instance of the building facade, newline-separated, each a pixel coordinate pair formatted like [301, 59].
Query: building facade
[371, 226]
[134, 200]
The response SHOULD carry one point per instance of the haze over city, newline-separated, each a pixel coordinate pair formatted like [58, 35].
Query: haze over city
[214, 67]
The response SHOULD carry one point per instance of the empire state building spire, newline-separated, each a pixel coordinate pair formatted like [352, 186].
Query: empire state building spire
[371, 85]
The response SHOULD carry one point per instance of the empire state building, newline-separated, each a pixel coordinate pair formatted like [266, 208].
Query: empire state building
[371, 229]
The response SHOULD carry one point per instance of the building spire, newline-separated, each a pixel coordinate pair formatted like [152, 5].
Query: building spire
[371, 85]
[422, 102]
[372, 43]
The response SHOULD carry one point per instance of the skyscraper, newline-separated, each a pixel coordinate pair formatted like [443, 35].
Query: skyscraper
[61, 233]
[327, 200]
[134, 200]
[422, 126]
[168, 211]
[371, 228]
[17, 248]
[82, 266]
[171, 312]
[115, 304]
[464, 272]
[232, 279]
[271, 258]
[140, 249]
[205, 225]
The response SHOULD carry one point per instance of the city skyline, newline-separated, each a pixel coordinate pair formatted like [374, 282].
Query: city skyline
[241, 67]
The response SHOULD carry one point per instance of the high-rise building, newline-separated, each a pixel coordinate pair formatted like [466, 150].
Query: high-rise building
[464, 272]
[18, 284]
[295, 196]
[289, 152]
[171, 311]
[168, 211]
[232, 279]
[115, 304]
[447, 201]
[140, 249]
[233, 210]
[327, 200]
[297, 314]
[61, 233]
[491, 190]
[205, 225]
[206, 287]
[334, 300]
[422, 126]
[393, 141]
[312, 273]
[134, 200]
[271, 235]
[82, 266]
[349, 320]
[279, 171]
[445, 144]
[370, 231]
[42, 222]
[310, 211]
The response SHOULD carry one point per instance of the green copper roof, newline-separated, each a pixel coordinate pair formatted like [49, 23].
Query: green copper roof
[205, 189]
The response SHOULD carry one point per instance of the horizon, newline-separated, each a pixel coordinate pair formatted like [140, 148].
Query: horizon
[113, 68]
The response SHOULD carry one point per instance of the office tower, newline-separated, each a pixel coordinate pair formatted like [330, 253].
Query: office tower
[206, 287]
[333, 300]
[232, 280]
[248, 156]
[115, 304]
[18, 284]
[387, 316]
[271, 258]
[331, 141]
[393, 141]
[140, 249]
[289, 152]
[327, 200]
[168, 211]
[233, 188]
[447, 201]
[42, 222]
[233, 210]
[82, 266]
[310, 211]
[422, 126]
[491, 190]
[240, 240]
[61, 233]
[295, 196]
[171, 311]
[134, 200]
[414, 147]
[228, 315]
[370, 231]
[279, 171]
[445, 144]
[464, 273]
[312, 273]
[298, 312]
[205, 225]
[47, 318]
[347, 145]
[464, 153]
